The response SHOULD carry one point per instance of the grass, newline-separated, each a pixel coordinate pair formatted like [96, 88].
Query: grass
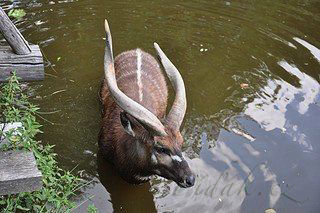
[59, 186]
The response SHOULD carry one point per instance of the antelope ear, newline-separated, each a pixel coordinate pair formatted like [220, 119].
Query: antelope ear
[127, 124]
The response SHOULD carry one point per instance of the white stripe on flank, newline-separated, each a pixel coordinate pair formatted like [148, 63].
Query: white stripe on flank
[139, 61]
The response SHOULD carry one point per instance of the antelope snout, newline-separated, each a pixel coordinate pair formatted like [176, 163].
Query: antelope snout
[189, 180]
[187, 177]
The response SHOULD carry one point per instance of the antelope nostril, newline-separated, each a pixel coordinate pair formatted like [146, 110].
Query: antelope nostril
[190, 180]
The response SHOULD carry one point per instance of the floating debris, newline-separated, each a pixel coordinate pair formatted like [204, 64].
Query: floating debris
[244, 86]
[270, 211]
[59, 91]
[17, 13]
[88, 152]
[246, 135]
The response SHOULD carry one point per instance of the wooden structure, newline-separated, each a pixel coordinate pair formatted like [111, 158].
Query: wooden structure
[26, 60]
[18, 169]
[18, 172]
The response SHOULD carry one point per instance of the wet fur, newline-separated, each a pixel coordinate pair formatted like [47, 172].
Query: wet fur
[131, 157]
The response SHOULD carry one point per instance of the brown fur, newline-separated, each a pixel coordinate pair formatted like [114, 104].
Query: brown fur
[132, 155]
[114, 141]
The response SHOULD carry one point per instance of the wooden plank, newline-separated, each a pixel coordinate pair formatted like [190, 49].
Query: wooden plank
[12, 35]
[7, 56]
[25, 72]
[8, 126]
[27, 67]
[18, 172]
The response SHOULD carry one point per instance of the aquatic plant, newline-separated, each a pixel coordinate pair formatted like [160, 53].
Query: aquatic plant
[17, 13]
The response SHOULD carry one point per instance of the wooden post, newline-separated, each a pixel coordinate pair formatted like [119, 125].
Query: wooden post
[17, 42]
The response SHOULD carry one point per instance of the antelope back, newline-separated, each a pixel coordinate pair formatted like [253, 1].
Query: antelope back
[139, 76]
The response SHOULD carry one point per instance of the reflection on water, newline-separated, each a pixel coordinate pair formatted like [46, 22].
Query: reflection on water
[253, 148]
[270, 106]
[123, 195]
[314, 50]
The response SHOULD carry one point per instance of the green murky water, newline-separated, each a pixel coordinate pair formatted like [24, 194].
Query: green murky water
[252, 73]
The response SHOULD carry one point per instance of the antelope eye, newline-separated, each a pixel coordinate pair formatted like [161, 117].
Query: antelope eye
[163, 150]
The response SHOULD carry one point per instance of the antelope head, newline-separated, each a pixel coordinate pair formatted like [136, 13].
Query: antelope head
[158, 143]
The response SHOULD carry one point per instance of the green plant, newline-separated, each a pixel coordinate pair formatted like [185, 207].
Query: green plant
[92, 209]
[58, 185]
[17, 13]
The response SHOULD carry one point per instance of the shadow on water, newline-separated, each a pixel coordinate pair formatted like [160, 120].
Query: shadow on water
[124, 197]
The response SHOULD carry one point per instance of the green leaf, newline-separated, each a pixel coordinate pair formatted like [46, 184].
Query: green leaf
[17, 13]
[92, 209]
[22, 208]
